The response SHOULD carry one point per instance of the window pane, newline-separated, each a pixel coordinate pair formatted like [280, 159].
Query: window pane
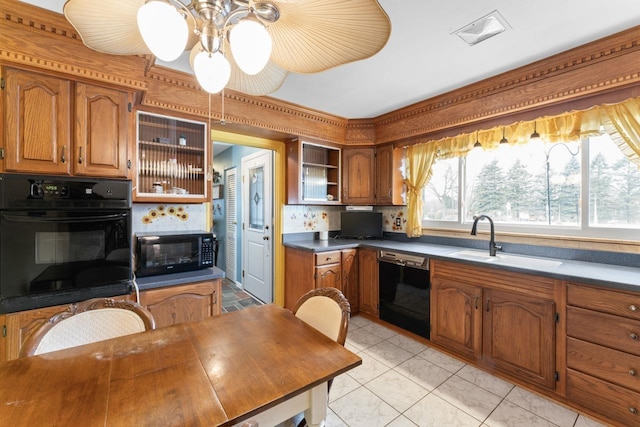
[441, 193]
[529, 184]
[256, 197]
[614, 181]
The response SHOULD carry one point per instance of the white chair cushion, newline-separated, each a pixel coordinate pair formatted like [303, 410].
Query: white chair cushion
[323, 313]
[90, 326]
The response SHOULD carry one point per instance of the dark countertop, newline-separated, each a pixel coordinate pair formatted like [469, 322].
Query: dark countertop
[606, 275]
[164, 280]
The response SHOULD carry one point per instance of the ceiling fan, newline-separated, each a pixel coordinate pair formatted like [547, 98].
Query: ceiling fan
[245, 45]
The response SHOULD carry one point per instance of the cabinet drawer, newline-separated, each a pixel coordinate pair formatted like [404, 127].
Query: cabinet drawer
[324, 258]
[605, 363]
[604, 329]
[612, 302]
[614, 402]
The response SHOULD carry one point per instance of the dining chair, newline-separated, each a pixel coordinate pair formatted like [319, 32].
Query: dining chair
[328, 311]
[85, 322]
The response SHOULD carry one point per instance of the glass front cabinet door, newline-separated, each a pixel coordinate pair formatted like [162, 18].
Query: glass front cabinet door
[172, 160]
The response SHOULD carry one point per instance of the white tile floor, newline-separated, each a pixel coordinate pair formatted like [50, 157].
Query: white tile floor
[403, 383]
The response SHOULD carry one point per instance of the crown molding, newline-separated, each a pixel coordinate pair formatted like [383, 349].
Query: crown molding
[35, 38]
[557, 79]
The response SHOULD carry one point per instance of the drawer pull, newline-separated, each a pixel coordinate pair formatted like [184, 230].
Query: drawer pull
[633, 410]
[633, 336]
[633, 307]
[633, 372]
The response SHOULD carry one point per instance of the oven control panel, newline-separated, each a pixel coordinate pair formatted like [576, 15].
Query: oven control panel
[50, 190]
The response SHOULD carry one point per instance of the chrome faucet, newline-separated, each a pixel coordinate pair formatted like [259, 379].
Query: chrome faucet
[492, 243]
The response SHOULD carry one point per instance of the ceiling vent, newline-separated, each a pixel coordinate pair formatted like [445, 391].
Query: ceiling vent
[483, 28]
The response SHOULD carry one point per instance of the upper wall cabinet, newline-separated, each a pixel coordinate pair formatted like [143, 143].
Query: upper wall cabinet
[313, 174]
[358, 176]
[389, 180]
[172, 160]
[44, 133]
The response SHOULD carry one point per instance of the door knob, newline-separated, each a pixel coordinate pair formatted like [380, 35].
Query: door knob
[265, 237]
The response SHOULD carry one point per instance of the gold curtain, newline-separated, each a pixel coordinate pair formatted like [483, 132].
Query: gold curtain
[420, 158]
[621, 121]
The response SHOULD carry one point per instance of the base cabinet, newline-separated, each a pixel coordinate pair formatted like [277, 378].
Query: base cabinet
[172, 305]
[369, 276]
[496, 320]
[307, 270]
[603, 352]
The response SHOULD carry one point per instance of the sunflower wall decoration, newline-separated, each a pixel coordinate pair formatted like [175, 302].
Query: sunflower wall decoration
[162, 211]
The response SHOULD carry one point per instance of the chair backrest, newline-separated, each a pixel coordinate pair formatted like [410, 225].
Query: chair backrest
[327, 310]
[89, 321]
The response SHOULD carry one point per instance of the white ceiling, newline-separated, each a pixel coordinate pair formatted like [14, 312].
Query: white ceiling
[423, 58]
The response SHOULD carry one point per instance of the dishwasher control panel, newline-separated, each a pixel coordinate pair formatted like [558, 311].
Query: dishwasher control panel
[415, 261]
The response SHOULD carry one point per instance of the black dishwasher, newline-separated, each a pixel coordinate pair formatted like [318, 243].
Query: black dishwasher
[405, 291]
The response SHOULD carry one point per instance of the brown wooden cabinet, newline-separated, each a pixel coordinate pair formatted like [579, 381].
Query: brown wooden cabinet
[358, 176]
[172, 160]
[505, 321]
[603, 352]
[313, 173]
[103, 120]
[389, 183]
[42, 114]
[369, 277]
[456, 316]
[350, 285]
[191, 302]
[306, 270]
[37, 123]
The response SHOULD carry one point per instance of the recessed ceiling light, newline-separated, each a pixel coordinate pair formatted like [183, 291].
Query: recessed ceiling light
[483, 28]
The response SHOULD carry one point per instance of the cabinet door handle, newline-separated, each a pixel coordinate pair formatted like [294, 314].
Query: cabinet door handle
[633, 372]
[633, 307]
[476, 303]
[633, 336]
[487, 305]
[633, 410]
[80, 156]
[63, 157]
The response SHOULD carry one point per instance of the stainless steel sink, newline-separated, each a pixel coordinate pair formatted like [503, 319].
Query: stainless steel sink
[506, 259]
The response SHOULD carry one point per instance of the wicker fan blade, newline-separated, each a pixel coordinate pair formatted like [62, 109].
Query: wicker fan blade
[265, 82]
[315, 35]
[107, 26]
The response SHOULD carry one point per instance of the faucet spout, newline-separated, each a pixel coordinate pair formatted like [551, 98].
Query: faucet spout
[492, 243]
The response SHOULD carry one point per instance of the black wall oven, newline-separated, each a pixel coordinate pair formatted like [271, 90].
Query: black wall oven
[405, 291]
[63, 240]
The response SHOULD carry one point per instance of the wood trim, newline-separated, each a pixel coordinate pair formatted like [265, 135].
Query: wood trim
[32, 37]
[558, 79]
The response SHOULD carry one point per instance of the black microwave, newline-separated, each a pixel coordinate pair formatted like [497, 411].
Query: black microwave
[171, 252]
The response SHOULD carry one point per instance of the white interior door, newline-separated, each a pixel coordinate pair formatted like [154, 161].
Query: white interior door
[230, 178]
[257, 227]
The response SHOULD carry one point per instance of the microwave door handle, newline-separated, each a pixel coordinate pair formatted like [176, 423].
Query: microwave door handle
[73, 220]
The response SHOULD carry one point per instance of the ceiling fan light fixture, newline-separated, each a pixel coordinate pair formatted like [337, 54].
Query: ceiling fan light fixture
[154, 19]
[250, 44]
[212, 71]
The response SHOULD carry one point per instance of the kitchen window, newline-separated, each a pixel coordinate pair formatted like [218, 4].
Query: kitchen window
[581, 188]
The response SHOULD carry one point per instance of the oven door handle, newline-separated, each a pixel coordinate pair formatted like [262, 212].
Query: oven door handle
[71, 220]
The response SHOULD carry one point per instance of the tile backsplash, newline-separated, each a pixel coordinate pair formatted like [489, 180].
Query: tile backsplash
[300, 218]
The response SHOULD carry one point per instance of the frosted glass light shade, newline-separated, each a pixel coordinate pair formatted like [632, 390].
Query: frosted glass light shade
[164, 30]
[250, 45]
[212, 71]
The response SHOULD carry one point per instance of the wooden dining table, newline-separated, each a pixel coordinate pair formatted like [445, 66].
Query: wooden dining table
[260, 364]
